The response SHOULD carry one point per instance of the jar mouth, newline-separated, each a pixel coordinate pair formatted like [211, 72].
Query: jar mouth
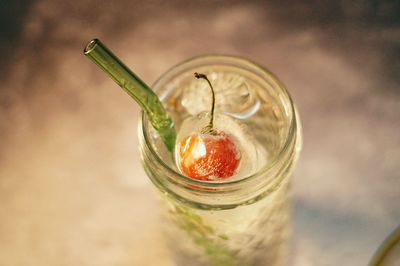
[289, 143]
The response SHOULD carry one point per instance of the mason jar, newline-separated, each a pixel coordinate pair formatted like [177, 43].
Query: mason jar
[236, 221]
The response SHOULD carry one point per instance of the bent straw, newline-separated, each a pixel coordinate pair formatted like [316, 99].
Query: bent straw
[135, 87]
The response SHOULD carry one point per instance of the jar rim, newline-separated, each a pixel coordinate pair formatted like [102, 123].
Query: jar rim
[386, 247]
[288, 146]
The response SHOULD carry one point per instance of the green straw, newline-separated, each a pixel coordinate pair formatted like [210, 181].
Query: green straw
[136, 88]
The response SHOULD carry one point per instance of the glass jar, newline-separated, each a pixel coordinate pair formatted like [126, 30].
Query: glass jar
[388, 253]
[242, 220]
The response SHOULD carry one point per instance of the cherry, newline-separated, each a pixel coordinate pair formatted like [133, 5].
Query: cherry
[210, 154]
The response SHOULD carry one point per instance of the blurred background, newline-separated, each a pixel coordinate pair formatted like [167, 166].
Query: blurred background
[72, 191]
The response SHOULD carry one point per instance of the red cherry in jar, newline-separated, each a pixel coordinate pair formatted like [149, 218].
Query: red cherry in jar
[210, 154]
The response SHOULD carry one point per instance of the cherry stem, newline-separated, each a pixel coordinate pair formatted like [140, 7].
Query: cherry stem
[209, 127]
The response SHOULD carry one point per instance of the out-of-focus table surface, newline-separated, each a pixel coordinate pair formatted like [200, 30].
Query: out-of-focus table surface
[72, 191]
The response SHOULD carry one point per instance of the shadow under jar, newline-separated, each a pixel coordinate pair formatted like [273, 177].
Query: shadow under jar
[242, 220]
